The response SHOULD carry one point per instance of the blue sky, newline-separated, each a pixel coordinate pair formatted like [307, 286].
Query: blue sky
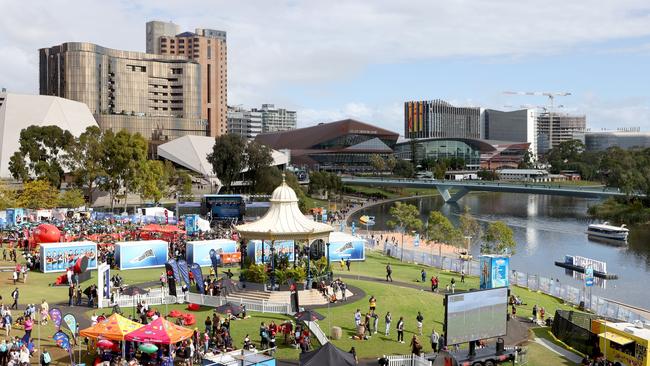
[333, 59]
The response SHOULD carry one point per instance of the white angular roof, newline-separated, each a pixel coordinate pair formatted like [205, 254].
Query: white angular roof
[284, 221]
[19, 111]
[192, 152]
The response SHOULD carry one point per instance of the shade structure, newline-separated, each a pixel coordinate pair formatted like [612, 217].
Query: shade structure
[114, 328]
[160, 331]
[308, 316]
[328, 354]
[284, 221]
[134, 290]
[229, 308]
[161, 228]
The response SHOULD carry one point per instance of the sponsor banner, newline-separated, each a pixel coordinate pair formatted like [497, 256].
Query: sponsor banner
[198, 277]
[71, 322]
[214, 258]
[494, 271]
[58, 257]
[199, 251]
[171, 281]
[191, 224]
[184, 271]
[353, 249]
[141, 254]
[177, 274]
[55, 315]
[62, 340]
[282, 247]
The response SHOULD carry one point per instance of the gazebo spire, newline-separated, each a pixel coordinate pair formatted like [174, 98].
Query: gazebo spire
[284, 175]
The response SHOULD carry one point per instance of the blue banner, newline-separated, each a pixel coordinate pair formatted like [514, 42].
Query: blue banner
[58, 257]
[174, 265]
[191, 224]
[354, 228]
[184, 272]
[141, 254]
[198, 277]
[214, 258]
[494, 271]
[347, 247]
[198, 251]
[62, 340]
[71, 322]
[11, 217]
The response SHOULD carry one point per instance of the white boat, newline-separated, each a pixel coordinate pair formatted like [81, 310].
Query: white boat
[607, 231]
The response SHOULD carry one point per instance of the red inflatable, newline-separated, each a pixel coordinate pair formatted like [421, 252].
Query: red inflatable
[175, 314]
[189, 319]
[46, 233]
[193, 307]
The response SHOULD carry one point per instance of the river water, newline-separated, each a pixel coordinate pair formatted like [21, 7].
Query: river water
[546, 228]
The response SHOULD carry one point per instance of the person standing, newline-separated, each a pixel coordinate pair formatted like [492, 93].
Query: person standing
[28, 324]
[357, 318]
[423, 275]
[389, 272]
[434, 340]
[375, 319]
[535, 313]
[15, 295]
[15, 277]
[419, 319]
[388, 318]
[462, 276]
[373, 303]
[416, 347]
[400, 330]
[23, 270]
[45, 358]
[70, 294]
[347, 264]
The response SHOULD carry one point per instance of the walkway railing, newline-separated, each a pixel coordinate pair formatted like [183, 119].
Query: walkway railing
[570, 294]
[262, 306]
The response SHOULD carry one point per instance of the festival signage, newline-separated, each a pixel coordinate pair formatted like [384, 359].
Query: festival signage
[191, 224]
[58, 257]
[71, 322]
[141, 254]
[171, 281]
[494, 271]
[198, 251]
[198, 277]
[55, 315]
[184, 271]
[281, 247]
[344, 246]
[589, 276]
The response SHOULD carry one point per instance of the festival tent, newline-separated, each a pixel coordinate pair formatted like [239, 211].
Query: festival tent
[114, 328]
[160, 331]
[161, 228]
[328, 354]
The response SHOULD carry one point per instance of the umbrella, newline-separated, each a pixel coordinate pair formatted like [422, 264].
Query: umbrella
[134, 291]
[105, 343]
[229, 308]
[148, 348]
[308, 316]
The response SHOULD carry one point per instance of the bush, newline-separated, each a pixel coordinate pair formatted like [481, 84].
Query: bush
[255, 273]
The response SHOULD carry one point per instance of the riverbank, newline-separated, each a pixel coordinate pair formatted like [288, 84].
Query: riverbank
[618, 212]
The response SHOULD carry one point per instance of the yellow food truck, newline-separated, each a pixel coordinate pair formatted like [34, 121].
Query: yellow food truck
[625, 343]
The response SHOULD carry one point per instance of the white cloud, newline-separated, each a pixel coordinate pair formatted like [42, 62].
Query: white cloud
[389, 116]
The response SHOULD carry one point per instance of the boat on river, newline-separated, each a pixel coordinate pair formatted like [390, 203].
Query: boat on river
[607, 231]
[367, 220]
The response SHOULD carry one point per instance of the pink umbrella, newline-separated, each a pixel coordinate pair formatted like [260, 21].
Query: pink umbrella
[105, 343]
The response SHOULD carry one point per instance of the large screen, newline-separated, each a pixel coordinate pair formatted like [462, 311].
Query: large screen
[141, 254]
[199, 251]
[58, 257]
[476, 315]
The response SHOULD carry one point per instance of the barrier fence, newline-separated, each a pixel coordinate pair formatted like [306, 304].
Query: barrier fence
[553, 287]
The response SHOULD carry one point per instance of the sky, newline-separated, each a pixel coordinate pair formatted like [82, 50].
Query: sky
[331, 59]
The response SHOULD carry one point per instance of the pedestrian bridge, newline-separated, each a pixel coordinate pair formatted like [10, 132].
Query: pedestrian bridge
[452, 190]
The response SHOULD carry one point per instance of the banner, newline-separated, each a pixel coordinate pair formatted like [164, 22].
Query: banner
[198, 277]
[354, 228]
[55, 315]
[416, 241]
[215, 261]
[58, 257]
[494, 271]
[71, 322]
[141, 254]
[191, 224]
[62, 340]
[172, 262]
[171, 282]
[198, 251]
[184, 272]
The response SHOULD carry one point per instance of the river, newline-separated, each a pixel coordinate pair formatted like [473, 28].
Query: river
[546, 228]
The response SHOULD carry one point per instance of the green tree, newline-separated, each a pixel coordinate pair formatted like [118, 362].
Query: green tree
[324, 181]
[152, 181]
[405, 217]
[182, 183]
[498, 239]
[441, 230]
[71, 198]
[84, 160]
[228, 158]
[527, 161]
[7, 197]
[564, 153]
[39, 154]
[38, 194]
[391, 162]
[269, 179]
[468, 225]
[377, 163]
[258, 156]
[404, 169]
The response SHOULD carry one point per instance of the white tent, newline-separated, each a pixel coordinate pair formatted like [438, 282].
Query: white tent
[284, 221]
[18, 111]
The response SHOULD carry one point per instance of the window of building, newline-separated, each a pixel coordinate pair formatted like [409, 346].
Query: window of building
[209, 52]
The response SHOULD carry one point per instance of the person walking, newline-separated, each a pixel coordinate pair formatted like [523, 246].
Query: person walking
[357, 318]
[416, 347]
[419, 319]
[434, 283]
[15, 277]
[434, 340]
[387, 319]
[15, 295]
[389, 272]
[347, 264]
[400, 330]
[423, 275]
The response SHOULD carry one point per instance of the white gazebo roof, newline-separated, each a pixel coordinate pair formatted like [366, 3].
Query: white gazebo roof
[284, 221]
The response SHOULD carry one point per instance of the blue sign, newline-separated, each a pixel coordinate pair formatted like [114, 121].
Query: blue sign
[191, 224]
[324, 218]
[351, 248]
[354, 228]
[199, 251]
[416, 241]
[58, 257]
[11, 217]
[141, 254]
[494, 271]
[282, 247]
[589, 276]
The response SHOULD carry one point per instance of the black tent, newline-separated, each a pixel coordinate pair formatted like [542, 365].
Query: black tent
[328, 354]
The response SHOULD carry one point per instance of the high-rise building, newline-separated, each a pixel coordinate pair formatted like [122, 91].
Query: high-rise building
[244, 122]
[565, 127]
[157, 29]
[603, 140]
[519, 126]
[437, 118]
[208, 48]
[277, 119]
[157, 96]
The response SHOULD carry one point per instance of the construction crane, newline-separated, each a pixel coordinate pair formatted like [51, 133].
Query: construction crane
[551, 96]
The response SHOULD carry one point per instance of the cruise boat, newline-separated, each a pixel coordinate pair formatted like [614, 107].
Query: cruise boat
[367, 220]
[607, 231]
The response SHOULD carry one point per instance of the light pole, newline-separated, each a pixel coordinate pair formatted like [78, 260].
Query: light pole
[328, 260]
[272, 266]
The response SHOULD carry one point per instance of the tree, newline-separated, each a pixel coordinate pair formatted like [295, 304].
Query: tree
[324, 181]
[182, 183]
[269, 179]
[7, 197]
[84, 160]
[391, 162]
[468, 225]
[228, 158]
[498, 239]
[71, 198]
[406, 218]
[152, 180]
[527, 161]
[441, 230]
[377, 163]
[404, 169]
[258, 156]
[39, 154]
[38, 194]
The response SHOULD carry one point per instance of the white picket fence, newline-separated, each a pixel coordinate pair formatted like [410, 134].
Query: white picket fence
[157, 296]
[262, 306]
[408, 360]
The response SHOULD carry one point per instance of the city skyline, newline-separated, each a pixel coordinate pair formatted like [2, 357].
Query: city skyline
[363, 60]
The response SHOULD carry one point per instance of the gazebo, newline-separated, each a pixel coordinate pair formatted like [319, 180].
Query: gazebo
[284, 221]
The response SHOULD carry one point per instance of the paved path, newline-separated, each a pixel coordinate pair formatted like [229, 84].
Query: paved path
[559, 350]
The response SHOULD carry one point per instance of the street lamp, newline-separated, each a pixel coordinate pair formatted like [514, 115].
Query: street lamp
[308, 270]
[272, 267]
[328, 260]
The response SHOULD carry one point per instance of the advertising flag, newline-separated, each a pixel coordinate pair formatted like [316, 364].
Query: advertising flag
[71, 322]
[416, 241]
[171, 281]
[589, 276]
[198, 277]
[354, 228]
[215, 260]
[55, 315]
[172, 262]
[184, 271]
[62, 340]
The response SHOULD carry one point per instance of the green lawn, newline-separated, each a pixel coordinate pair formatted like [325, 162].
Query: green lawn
[539, 355]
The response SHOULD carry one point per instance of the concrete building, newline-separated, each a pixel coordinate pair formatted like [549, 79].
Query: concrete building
[440, 119]
[157, 96]
[600, 141]
[565, 127]
[18, 111]
[208, 48]
[524, 175]
[518, 125]
[244, 122]
[277, 119]
[157, 29]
